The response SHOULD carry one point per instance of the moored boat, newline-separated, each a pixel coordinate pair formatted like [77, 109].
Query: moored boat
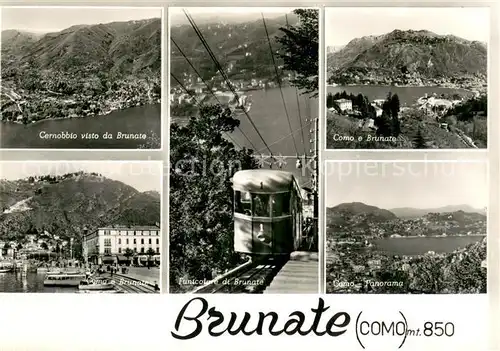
[6, 267]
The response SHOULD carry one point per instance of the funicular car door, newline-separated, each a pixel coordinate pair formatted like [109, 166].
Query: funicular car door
[262, 231]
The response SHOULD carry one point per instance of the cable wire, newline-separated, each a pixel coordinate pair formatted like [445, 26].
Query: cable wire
[279, 83]
[224, 76]
[208, 87]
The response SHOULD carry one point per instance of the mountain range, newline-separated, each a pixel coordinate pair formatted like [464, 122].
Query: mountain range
[399, 52]
[242, 44]
[409, 212]
[65, 205]
[342, 214]
[360, 214]
[122, 47]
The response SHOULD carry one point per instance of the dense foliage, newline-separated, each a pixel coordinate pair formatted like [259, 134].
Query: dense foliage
[300, 49]
[201, 197]
[388, 124]
[467, 110]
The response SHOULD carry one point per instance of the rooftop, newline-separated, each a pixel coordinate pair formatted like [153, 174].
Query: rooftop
[133, 227]
[263, 181]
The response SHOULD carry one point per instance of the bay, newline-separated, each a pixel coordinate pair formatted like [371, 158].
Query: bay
[135, 120]
[277, 122]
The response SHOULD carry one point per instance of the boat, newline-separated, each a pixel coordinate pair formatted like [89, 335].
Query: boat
[6, 267]
[63, 279]
[98, 284]
[242, 103]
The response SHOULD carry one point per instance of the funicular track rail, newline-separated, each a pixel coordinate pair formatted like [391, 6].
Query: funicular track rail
[251, 277]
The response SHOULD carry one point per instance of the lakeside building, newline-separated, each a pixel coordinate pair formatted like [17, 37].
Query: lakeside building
[108, 245]
[344, 104]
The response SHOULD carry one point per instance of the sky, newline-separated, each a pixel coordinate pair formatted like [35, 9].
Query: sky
[143, 176]
[422, 185]
[229, 14]
[46, 20]
[344, 24]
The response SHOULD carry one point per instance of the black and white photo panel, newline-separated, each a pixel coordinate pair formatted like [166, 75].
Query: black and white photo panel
[80, 226]
[244, 150]
[407, 78]
[395, 227]
[81, 78]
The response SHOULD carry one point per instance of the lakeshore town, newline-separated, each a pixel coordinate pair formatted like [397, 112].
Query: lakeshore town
[476, 83]
[195, 89]
[73, 99]
[356, 263]
[116, 258]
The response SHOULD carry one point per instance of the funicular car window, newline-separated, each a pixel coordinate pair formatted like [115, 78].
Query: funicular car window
[261, 205]
[243, 203]
[281, 204]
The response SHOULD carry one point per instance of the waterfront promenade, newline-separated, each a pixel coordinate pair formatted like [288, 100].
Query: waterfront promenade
[151, 276]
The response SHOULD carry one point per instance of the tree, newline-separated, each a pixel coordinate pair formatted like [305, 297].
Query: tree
[391, 107]
[394, 106]
[300, 50]
[128, 253]
[201, 203]
[44, 246]
[384, 125]
[419, 141]
[427, 275]
[150, 252]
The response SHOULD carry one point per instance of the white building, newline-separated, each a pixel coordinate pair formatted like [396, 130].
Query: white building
[109, 244]
[378, 110]
[344, 104]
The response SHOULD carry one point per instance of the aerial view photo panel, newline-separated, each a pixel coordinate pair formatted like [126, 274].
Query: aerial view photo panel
[407, 78]
[81, 77]
[411, 227]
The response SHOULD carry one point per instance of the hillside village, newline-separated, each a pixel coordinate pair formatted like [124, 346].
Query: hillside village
[44, 78]
[29, 106]
[476, 83]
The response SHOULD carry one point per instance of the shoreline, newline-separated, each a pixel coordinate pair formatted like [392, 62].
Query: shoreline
[398, 86]
[78, 117]
[431, 236]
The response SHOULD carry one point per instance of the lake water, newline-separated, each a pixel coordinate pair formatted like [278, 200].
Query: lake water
[269, 116]
[29, 283]
[421, 245]
[143, 119]
[407, 95]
